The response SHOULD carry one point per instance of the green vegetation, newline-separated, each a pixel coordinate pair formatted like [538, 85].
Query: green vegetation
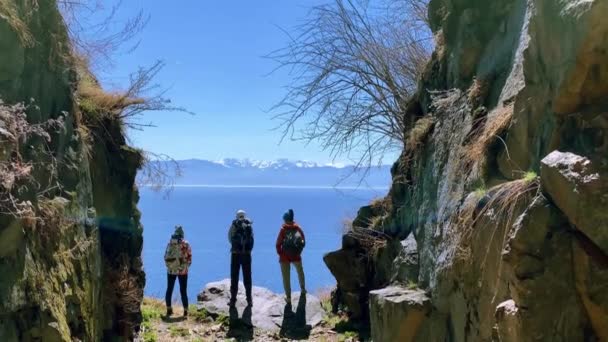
[199, 315]
[177, 331]
[151, 311]
[530, 176]
[149, 335]
[348, 335]
[411, 285]
[223, 320]
[481, 191]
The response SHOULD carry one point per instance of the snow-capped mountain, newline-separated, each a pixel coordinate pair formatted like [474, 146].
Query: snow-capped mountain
[280, 172]
[284, 164]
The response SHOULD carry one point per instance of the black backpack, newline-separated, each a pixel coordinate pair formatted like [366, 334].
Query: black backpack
[293, 243]
[242, 237]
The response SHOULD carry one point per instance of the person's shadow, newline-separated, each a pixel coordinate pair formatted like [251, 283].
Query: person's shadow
[240, 328]
[294, 325]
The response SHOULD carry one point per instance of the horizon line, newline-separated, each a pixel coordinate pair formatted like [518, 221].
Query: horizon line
[338, 165]
[269, 186]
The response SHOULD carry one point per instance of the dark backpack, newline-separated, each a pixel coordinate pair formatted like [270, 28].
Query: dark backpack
[293, 243]
[242, 237]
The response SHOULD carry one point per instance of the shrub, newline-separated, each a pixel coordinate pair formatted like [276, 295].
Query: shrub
[16, 172]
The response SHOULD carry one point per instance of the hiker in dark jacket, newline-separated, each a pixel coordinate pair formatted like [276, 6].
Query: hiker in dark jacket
[290, 243]
[178, 258]
[240, 236]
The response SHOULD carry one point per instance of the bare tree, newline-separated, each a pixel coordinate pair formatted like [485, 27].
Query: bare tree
[95, 31]
[354, 68]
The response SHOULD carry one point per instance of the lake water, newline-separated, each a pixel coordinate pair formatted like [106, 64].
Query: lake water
[206, 213]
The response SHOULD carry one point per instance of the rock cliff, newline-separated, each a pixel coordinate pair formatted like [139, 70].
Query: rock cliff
[70, 236]
[502, 184]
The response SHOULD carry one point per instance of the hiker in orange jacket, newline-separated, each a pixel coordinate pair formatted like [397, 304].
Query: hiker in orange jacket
[289, 245]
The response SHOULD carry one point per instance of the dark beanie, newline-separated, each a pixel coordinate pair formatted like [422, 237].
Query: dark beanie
[288, 216]
[179, 232]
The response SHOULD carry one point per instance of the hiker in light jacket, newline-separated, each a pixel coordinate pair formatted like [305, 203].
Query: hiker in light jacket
[178, 258]
[289, 245]
[240, 236]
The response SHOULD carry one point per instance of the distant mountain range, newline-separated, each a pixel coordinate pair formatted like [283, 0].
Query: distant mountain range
[281, 172]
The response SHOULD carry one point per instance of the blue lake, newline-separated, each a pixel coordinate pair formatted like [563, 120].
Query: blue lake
[206, 213]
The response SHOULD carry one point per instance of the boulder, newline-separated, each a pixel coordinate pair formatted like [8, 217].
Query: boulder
[537, 264]
[577, 188]
[269, 311]
[398, 313]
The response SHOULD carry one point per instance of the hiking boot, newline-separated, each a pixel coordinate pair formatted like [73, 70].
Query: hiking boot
[249, 301]
[232, 302]
[169, 311]
[185, 313]
[288, 301]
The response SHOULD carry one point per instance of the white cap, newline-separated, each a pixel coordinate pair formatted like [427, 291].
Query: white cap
[240, 213]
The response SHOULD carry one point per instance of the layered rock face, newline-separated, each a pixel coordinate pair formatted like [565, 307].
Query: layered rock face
[505, 194]
[70, 237]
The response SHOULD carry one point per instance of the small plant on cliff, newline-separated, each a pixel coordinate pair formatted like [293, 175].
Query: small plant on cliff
[530, 177]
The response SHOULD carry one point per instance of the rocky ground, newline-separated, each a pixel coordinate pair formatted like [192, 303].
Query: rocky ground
[269, 319]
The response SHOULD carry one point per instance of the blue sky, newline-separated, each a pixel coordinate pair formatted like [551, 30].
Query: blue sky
[215, 67]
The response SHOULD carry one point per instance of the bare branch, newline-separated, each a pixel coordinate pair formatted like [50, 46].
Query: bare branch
[354, 69]
[159, 172]
[98, 40]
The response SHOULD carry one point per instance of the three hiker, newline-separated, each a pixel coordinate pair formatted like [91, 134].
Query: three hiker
[240, 236]
[289, 245]
[178, 258]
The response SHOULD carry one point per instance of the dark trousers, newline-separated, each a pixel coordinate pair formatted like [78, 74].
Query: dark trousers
[238, 261]
[183, 289]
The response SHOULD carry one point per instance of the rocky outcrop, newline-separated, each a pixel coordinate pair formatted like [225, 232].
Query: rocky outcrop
[269, 311]
[70, 237]
[398, 314]
[364, 263]
[504, 223]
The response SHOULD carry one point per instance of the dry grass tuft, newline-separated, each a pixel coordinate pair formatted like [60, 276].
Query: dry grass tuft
[500, 203]
[382, 204]
[347, 225]
[440, 46]
[496, 122]
[477, 92]
[98, 102]
[10, 13]
[419, 132]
